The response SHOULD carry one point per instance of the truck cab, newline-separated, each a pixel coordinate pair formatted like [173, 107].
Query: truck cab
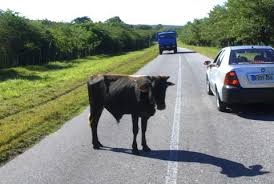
[167, 41]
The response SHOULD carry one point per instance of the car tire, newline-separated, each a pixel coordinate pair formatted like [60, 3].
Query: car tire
[161, 52]
[221, 106]
[175, 51]
[208, 90]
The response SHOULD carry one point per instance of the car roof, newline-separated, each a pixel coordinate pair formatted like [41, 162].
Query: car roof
[167, 32]
[249, 47]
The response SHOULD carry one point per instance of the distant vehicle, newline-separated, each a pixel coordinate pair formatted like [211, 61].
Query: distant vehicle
[167, 41]
[241, 75]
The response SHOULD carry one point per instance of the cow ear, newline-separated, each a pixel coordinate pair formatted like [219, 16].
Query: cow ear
[170, 84]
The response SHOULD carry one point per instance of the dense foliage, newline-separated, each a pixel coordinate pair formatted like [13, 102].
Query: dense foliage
[235, 22]
[24, 42]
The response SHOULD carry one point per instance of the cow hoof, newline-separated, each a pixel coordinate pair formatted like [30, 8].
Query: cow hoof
[135, 152]
[100, 145]
[146, 149]
[97, 145]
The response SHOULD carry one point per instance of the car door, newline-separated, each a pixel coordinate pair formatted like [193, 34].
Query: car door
[213, 70]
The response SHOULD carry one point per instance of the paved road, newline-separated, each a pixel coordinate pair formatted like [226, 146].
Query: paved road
[192, 142]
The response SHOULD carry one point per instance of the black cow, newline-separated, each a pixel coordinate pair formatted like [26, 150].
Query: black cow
[123, 94]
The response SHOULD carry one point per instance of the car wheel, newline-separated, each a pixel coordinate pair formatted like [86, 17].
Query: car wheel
[221, 106]
[208, 90]
[175, 51]
[160, 51]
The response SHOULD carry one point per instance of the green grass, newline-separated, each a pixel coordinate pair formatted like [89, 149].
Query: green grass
[210, 52]
[37, 100]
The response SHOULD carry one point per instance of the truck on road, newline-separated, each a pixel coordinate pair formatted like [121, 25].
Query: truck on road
[167, 41]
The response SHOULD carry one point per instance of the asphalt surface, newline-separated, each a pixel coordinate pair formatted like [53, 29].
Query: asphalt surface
[196, 144]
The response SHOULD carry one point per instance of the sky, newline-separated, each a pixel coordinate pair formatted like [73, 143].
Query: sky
[166, 12]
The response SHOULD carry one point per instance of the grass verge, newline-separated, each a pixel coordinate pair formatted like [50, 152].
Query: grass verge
[37, 100]
[210, 52]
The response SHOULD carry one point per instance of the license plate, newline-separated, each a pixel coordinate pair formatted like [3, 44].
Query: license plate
[262, 77]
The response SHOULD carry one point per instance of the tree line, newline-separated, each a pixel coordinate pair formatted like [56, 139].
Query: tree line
[30, 42]
[236, 22]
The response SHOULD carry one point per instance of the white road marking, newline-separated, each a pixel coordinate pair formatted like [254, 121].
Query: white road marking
[171, 177]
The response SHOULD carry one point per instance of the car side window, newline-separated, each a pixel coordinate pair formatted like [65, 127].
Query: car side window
[218, 56]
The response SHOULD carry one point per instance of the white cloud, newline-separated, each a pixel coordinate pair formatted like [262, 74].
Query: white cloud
[173, 12]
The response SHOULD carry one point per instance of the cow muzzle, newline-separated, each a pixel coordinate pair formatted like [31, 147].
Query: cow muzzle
[161, 106]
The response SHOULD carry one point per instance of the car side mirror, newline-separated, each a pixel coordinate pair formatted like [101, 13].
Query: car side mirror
[207, 62]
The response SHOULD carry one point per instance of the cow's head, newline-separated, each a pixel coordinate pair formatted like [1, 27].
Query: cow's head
[159, 86]
[156, 90]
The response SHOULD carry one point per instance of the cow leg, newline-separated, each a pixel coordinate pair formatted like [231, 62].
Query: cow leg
[144, 128]
[135, 130]
[94, 119]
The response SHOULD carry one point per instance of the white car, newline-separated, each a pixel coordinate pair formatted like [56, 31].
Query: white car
[241, 75]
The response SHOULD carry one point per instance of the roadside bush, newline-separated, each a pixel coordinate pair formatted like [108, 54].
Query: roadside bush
[30, 42]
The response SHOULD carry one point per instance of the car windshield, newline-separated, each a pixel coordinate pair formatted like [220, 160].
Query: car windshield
[251, 56]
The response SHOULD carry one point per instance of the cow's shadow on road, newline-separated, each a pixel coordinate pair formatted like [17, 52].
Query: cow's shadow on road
[229, 168]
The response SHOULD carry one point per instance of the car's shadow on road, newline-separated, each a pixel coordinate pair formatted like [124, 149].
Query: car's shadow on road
[229, 168]
[261, 112]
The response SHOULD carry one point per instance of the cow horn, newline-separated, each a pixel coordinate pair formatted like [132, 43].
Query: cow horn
[166, 77]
